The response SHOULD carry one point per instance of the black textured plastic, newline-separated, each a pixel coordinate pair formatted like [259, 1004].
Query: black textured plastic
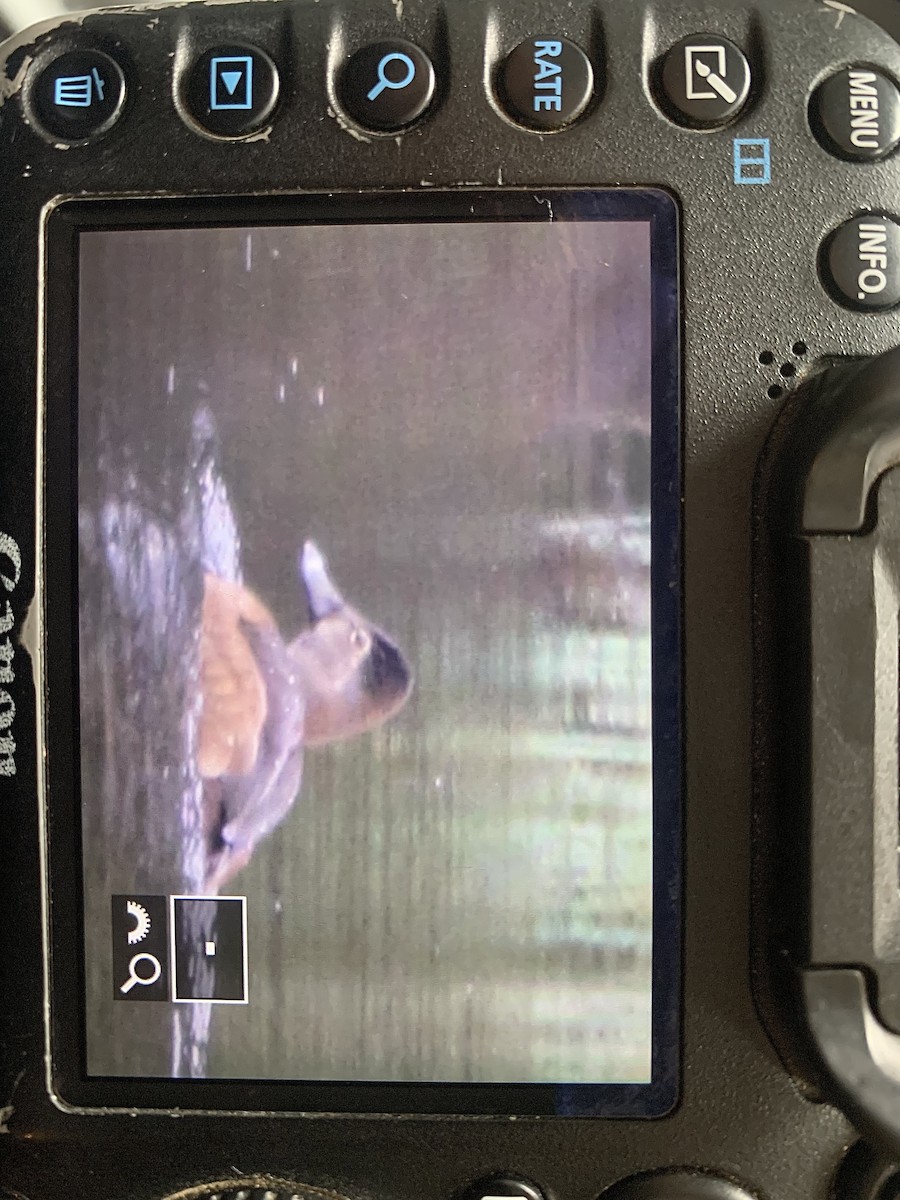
[751, 283]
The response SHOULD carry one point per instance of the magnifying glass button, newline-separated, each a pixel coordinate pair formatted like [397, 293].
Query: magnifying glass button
[387, 85]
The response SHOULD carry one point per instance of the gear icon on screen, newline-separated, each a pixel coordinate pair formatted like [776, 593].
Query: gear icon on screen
[141, 922]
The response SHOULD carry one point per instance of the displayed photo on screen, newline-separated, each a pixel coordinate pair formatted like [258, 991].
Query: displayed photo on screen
[365, 653]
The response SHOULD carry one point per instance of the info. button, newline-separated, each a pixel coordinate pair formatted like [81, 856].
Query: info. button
[862, 262]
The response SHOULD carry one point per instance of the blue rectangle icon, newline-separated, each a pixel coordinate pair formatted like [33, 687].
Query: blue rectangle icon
[231, 83]
[752, 160]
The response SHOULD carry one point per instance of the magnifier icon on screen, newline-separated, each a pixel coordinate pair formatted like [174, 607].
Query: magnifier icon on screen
[134, 977]
[395, 85]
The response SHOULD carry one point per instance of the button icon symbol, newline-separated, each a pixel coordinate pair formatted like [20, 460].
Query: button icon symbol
[142, 922]
[697, 68]
[143, 980]
[78, 91]
[548, 75]
[384, 81]
[231, 83]
[140, 948]
[752, 160]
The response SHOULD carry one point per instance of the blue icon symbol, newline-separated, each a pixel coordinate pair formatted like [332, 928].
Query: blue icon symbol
[231, 83]
[78, 91]
[548, 77]
[752, 160]
[395, 85]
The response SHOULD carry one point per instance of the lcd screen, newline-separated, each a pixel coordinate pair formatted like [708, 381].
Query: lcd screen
[377, 648]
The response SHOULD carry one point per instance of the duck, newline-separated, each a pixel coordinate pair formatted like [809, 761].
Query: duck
[264, 701]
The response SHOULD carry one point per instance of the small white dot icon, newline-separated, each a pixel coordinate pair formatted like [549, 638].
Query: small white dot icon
[210, 949]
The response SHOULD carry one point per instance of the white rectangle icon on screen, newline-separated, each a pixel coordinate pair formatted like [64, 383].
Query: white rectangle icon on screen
[208, 949]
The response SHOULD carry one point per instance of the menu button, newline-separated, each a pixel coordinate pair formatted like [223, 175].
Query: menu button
[856, 114]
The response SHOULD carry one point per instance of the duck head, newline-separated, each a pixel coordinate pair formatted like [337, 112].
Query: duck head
[352, 675]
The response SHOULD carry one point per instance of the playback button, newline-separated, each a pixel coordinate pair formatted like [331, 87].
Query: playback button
[78, 95]
[232, 90]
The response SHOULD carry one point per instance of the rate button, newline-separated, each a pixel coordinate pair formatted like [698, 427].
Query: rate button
[862, 263]
[546, 83]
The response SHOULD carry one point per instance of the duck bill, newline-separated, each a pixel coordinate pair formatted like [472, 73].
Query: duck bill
[222, 868]
[322, 596]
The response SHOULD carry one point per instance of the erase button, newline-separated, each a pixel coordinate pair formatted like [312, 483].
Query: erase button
[78, 95]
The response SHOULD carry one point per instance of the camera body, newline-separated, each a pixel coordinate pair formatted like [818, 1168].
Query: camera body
[714, 123]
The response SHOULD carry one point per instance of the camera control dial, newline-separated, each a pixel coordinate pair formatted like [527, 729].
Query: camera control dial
[676, 1185]
[838, 514]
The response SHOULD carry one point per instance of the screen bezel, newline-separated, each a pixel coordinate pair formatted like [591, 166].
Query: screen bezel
[70, 1086]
